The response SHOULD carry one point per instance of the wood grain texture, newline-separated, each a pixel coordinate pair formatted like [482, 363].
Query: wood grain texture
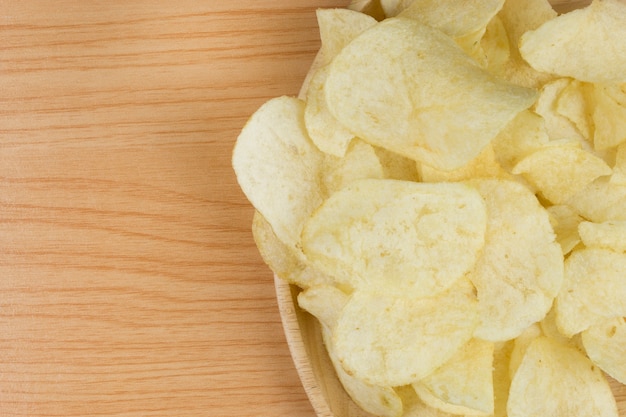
[130, 284]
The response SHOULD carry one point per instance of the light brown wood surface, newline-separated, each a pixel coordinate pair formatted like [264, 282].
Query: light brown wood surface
[129, 281]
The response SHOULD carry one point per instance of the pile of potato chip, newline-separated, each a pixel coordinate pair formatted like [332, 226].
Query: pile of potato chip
[449, 192]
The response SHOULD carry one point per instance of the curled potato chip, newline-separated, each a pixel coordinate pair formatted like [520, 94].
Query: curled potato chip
[593, 289]
[337, 28]
[607, 235]
[325, 302]
[605, 343]
[394, 340]
[397, 236]
[283, 260]
[609, 118]
[284, 190]
[525, 134]
[557, 380]
[600, 201]
[565, 223]
[455, 18]
[520, 270]
[409, 88]
[560, 171]
[568, 44]
[360, 162]
[464, 384]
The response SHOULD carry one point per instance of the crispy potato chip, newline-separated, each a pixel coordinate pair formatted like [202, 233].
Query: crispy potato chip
[360, 162]
[557, 125]
[324, 130]
[520, 345]
[609, 118]
[557, 380]
[605, 344]
[521, 267]
[501, 378]
[284, 189]
[573, 103]
[600, 201]
[593, 289]
[337, 28]
[568, 44]
[415, 407]
[326, 303]
[455, 18]
[518, 17]
[606, 235]
[550, 329]
[525, 134]
[560, 171]
[464, 384]
[406, 87]
[392, 340]
[283, 260]
[397, 236]
[494, 44]
[565, 222]
[394, 7]
[619, 169]
[483, 166]
[397, 167]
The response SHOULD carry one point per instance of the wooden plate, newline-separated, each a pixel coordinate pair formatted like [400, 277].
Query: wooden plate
[303, 333]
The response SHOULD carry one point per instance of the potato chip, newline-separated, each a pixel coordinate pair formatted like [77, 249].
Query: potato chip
[397, 236]
[396, 167]
[337, 28]
[573, 104]
[565, 222]
[550, 329]
[324, 130]
[557, 125]
[406, 87]
[360, 162]
[560, 171]
[619, 169]
[464, 384]
[609, 118]
[414, 407]
[605, 344]
[284, 189]
[326, 303]
[593, 289]
[568, 45]
[494, 44]
[518, 17]
[520, 345]
[557, 380]
[606, 235]
[501, 377]
[483, 166]
[393, 7]
[455, 18]
[393, 340]
[600, 201]
[520, 269]
[283, 260]
[525, 134]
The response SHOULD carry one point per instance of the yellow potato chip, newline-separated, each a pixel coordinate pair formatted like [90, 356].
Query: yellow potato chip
[325, 302]
[619, 169]
[565, 222]
[283, 260]
[397, 236]
[501, 378]
[424, 98]
[464, 384]
[324, 130]
[568, 44]
[560, 171]
[606, 235]
[360, 162]
[520, 345]
[609, 118]
[455, 18]
[392, 340]
[573, 103]
[284, 189]
[396, 167]
[394, 7]
[605, 343]
[557, 125]
[593, 289]
[494, 44]
[413, 406]
[520, 269]
[337, 28]
[518, 17]
[525, 134]
[557, 380]
[600, 201]
[483, 166]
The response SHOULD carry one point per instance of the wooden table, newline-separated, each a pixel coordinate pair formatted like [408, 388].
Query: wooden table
[129, 281]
